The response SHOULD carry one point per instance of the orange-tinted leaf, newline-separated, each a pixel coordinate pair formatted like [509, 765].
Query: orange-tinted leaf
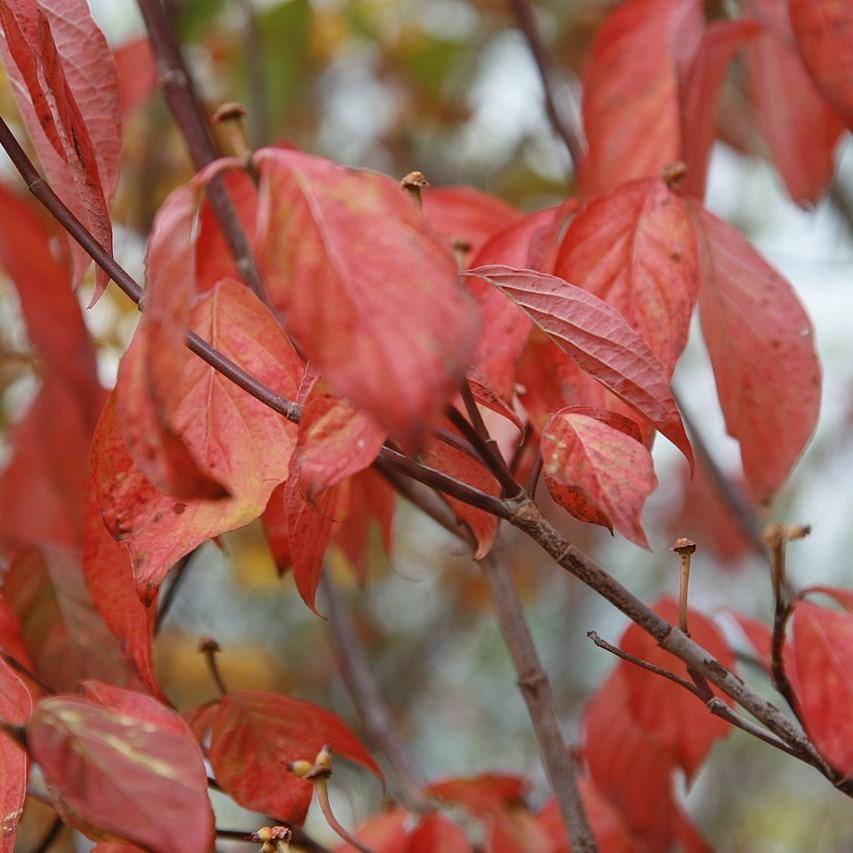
[635, 248]
[465, 216]
[483, 794]
[824, 34]
[598, 470]
[436, 832]
[109, 577]
[762, 350]
[256, 734]
[843, 596]
[274, 521]
[383, 833]
[629, 766]
[797, 123]
[821, 648]
[126, 764]
[631, 109]
[699, 96]
[240, 440]
[137, 73]
[335, 439]
[366, 287]
[64, 81]
[457, 463]
[673, 715]
[599, 339]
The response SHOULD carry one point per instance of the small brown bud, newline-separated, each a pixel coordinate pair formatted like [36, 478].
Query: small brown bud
[414, 181]
[300, 768]
[683, 546]
[207, 645]
[674, 173]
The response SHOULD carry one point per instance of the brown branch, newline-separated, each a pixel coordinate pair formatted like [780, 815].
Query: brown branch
[526, 21]
[50, 836]
[372, 710]
[181, 97]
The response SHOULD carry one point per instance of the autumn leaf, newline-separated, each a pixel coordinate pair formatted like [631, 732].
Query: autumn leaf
[631, 105]
[821, 648]
[599, 339]
[242, 441]
[64, 82]
[635, 248]
[436, 832]
[761, 345]
[136, 72]
[824, 33]
[256, 734]
[597, 468]
[383, 833]
[15, 709]
[673, 715]
[126, 764]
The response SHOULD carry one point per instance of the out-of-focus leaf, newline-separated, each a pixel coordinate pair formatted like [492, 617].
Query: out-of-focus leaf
[436, 832]
[15, 709]
[382, 833]
[762, 350]
[366, 287]
[137, 73]
[126, 764]
[254, 737]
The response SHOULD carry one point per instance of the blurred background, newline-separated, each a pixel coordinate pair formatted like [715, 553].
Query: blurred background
[448, 87]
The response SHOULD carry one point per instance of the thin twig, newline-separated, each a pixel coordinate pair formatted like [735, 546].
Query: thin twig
[179, 575]
[368, 700]
[210, 649]
[526, 21]
[182, 100]
[322, 791]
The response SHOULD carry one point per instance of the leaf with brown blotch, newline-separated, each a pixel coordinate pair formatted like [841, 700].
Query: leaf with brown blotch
[762, 349]
[125, 764]
[109, 578]
[245, 444]
[819, 662]
[335, 441]
[824, 33]
[597, 468]
[64, 81]
[631, 90]
[669, 713]
[367, 288]
[254, 737]
[797, 123]
[635, 248]
[599, 339]
[466, 217]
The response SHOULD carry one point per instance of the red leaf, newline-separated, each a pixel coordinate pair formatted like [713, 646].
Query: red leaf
[64, 82]
[843, 596]
[382, 833]
[242, 441]
[486, 395]
[136, 72]
[15, 709]
[674, 716]
[483, 794]
[465, 216]
[368, 290]
[797, 123]
[256, 734]
[635, 248]
[274, 521]
[762, 350]
[759, 636]
[630, 768]
[126, 764]
[599, 470]
[599, 339]
[335, 440]
[457, 463]
[821, 649]
[700, 93]
[109, 577]
[824, 33]
[309, 529]
[631, 109]
[435, 832]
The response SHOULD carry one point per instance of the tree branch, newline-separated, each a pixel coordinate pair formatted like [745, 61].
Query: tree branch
[181, 97]
[374, 713]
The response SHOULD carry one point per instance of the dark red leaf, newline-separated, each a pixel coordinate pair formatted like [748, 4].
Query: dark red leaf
[599, 339]
[671, 714]
[598, 470]
[636, 249]
[256, 734]
[631, 110]
[762, 350]
[126, 764]
[821, 648]
[367, 288]
[824, 34]
[797, 123]
[274, 522]
[15, 709]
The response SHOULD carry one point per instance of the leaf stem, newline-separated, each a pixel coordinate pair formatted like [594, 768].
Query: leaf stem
[210, 649]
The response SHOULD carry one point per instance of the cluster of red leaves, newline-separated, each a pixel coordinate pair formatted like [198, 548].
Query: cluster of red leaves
[570, 318]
